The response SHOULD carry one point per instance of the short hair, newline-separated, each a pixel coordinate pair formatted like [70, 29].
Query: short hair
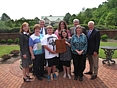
[75, 20]
[91, 22]
[49, 27]
[36, 26]
[21, 28]
[42, 20]
[80, 27]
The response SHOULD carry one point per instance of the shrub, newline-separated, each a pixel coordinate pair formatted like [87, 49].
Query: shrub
[9, 41]
[6, 56]
[3, 41]
[14, 52]
[104, 37]
[16, 41]
[115, 37]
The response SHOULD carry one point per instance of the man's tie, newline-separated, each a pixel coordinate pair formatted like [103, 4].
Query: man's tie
[41, 31]
[89, 33]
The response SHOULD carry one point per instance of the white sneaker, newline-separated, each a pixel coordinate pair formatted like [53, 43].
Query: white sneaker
[64, 76]
[69, 76]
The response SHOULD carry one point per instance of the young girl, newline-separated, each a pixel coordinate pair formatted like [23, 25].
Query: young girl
[66, 56]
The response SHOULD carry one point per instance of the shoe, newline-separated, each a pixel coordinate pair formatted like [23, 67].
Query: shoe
[80, 79]
[39, 78]
[44, 76]
[93, 77]
[75, 78]
[88, 73]
[54, 77]
[69, 76]
[48, 78]
[64, 76]
[28, 77]
[26, 80]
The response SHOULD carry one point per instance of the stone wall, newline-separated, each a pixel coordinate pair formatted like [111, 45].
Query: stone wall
[110, 33]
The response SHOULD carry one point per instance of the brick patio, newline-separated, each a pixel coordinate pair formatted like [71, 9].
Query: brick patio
[11, 77]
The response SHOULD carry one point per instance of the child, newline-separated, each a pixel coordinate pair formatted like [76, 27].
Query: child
[66, 56]
[50, 55]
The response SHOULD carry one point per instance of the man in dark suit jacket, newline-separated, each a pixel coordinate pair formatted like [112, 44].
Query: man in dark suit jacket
[93, 36]
[43, 29]
[72, 29]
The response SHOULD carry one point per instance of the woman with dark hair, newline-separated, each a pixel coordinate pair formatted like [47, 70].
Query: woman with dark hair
[62, 25]
[24, 50]
[65, 57]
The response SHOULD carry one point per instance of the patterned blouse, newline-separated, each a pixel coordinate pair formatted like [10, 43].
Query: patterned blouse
[79, 43]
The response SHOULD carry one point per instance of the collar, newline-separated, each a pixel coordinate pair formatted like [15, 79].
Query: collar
[25, 33]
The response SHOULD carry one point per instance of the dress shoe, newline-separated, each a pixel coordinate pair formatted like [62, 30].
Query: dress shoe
[39, 78]
[80, 79]
[93, 77]
[88, 73]
[26, 80]
[44, 76]
[75, 78]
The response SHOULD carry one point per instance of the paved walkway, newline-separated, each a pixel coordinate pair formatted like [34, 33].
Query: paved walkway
[11, 77]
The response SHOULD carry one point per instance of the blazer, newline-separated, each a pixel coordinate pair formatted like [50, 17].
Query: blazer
[93, 42]
[24, 43]
[72, 30]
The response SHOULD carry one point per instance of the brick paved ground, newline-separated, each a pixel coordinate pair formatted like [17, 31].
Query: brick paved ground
[11, 77]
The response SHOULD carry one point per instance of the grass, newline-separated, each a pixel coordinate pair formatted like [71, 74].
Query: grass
[101, 51]
[6, 49]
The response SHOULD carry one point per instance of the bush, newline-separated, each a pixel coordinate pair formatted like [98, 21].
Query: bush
[9, 41]
[115, 37]
[3, 41]
[6, 56]
[15, 52]
[104, 37]
[16, 41]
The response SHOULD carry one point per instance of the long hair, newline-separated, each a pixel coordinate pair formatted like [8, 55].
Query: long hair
[59, 26]
[64, 30]
[21, 28]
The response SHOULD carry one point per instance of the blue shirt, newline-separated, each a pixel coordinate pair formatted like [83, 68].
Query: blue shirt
[79, 43]
[35, 42]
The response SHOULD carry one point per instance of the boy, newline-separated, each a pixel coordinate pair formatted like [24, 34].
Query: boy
[50, 55]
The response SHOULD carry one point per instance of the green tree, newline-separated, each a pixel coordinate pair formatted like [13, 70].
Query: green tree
[5, 17]
[67, 17]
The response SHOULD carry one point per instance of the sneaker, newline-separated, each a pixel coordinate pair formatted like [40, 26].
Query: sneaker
[54, 77]
[69, 76]
[48, 78]
[64, 76]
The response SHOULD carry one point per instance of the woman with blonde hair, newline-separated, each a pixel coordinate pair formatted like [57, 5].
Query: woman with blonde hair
[24, 50]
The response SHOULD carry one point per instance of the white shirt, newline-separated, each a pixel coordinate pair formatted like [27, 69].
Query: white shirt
[43, 31]
[49, 40]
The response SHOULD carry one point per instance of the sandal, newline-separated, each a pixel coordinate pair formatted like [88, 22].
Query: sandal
[26, 80]
[28, 77]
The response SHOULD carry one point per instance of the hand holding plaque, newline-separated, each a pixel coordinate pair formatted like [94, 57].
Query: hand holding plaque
[60, 45]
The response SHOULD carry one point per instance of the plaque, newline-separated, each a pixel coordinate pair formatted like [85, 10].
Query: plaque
[60, 45]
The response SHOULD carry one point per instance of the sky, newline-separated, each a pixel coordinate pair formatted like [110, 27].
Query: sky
[30, 9]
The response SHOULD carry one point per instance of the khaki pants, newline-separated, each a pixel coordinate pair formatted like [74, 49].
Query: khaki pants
[93, 62]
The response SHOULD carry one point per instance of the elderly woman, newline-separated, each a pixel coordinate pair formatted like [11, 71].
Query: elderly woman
[79, 49]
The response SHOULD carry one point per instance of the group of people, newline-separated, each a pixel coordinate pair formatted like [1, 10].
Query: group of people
[39, 48]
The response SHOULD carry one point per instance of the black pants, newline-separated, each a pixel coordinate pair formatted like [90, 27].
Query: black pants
[38, 65]
[79, 62]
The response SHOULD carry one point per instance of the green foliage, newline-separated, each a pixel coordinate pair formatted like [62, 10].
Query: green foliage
[16, 41]
[9, 41]
[115, 37]
[67, 17]
[104, 37]
[3, 41]
[5, 17]
[101, 27]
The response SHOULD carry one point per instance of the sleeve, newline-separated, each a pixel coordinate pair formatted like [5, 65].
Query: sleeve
[97, 41]
[72, 44]
[31, 42]
[21, 43]
[85, 44]
[44, 41]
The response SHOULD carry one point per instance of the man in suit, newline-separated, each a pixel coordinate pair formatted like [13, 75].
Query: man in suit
[72, 29]
[93, 36]
[43, 29]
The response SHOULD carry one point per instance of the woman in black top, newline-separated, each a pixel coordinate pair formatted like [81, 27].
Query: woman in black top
[24, 50]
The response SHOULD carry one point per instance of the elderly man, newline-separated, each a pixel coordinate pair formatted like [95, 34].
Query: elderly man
[72, 29]
[93, 36]
[43, 29]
